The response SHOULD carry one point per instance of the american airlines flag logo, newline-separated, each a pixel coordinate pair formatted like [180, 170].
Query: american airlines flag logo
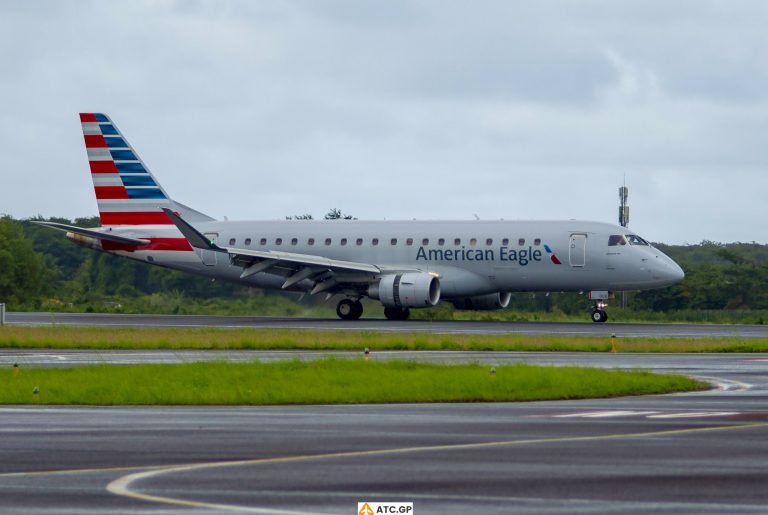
[552, 255]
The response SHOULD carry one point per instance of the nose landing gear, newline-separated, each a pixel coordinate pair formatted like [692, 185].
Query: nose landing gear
[599, 315]
[601, 302]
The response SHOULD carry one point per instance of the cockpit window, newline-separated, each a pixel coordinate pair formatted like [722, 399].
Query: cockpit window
[616, 239]
[636, 240]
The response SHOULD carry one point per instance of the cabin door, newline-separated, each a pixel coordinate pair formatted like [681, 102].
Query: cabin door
[577, 250]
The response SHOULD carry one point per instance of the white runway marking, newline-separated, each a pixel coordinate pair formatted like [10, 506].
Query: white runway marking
[727, 385]
[696, 414]
[606, 414]
[646, 414]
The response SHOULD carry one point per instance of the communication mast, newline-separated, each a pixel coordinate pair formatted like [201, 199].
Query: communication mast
[623, 207]
[624, 222]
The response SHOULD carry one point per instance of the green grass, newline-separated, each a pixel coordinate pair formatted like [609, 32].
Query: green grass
[327, 381]
[64, 337]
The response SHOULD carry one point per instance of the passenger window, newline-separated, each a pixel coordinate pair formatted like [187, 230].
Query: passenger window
[393, 241]
[441, 241]
[489, 241]
[247, 242]
[473, 242]
[279, 241]
[343, 241]
[375, 242]
[327, 241]
[294, 241]
[359, 241]
[457, 241]
[311, 241]
[425, 241]
[263, 241]
[232, 241]
[409, 241]
[537, 242]
[521, 241]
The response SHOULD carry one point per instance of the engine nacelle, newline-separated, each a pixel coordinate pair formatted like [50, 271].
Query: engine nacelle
[490, 302]
[411, 290]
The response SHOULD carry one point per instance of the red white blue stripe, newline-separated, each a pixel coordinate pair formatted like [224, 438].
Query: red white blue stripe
[126, 191]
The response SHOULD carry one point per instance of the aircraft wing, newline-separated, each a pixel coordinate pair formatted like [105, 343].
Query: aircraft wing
[327, 274]
[92, 233]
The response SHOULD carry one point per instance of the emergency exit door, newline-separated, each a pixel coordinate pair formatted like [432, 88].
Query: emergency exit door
[208, 256]
[577, 250]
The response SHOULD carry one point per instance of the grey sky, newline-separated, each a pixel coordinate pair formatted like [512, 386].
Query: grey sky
[399, 110]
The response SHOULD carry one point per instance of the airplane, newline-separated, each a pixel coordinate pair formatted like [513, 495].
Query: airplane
[473, 264]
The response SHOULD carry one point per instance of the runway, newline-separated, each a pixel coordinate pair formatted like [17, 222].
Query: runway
[703, 452]
[410, 326]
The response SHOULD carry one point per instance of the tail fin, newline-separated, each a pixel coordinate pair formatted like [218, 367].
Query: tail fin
[126, 191]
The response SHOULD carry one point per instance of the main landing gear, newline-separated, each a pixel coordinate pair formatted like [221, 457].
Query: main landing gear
[349, 309]
[397, 313]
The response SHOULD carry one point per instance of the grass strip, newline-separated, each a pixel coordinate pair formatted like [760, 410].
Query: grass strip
[326, 381]
[67, 337]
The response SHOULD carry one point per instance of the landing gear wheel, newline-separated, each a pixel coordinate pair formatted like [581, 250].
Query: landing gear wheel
[397, 313]
[599, 316]
[358, 309]
[348, 309]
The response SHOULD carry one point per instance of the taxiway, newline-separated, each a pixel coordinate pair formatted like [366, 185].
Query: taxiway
[704, 452]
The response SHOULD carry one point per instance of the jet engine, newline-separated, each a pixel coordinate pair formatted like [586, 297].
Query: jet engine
[489, 302]
[411, 290]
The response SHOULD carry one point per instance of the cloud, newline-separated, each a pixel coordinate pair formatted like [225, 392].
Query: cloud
[400, 109]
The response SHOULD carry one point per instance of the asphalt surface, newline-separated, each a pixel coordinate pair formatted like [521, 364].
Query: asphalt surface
[380, 325]
[704, 452]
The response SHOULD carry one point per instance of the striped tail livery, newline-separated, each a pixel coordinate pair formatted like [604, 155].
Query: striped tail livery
[126, 191]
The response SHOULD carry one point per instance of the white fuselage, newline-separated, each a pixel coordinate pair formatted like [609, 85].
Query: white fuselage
[470, 257]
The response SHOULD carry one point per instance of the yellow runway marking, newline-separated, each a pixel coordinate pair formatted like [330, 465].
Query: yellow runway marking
[121, 486]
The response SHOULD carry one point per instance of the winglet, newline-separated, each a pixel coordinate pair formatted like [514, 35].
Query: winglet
[195, 238]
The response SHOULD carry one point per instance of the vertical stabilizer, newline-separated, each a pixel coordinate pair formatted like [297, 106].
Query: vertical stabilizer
[126, 191]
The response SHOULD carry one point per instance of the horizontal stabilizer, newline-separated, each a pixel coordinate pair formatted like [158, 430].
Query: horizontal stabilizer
[92, 233]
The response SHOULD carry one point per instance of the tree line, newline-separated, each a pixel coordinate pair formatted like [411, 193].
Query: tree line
[40, 268]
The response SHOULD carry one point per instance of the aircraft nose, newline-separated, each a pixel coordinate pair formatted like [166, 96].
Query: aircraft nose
[677, 272]
[669, 272]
